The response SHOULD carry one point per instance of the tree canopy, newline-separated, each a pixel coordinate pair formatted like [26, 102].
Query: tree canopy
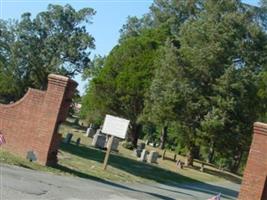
[203, 79]
[55, 41]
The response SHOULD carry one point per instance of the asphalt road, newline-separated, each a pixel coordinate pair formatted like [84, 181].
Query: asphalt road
[20, 183]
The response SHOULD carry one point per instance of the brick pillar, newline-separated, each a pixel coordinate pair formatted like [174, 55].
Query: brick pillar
[54, 111]
[254, 181]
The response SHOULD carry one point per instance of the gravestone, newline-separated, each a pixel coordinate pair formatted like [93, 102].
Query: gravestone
[99, 141]
[152, 157]
[115, 144]
[180, 164]
[143, 157]
[90, 132]
[137, 152]
[78, 141]
[141, 146]
[68, 137]
[31, 156]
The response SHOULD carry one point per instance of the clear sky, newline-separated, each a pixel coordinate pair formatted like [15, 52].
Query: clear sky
[110, 16]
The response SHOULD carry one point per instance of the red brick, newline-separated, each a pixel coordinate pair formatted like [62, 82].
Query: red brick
[254, 185]
[30, 124]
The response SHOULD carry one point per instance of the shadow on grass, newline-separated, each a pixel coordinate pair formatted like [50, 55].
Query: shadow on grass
[74, 125]
[222, 174]
[143, 170]
[136, 168]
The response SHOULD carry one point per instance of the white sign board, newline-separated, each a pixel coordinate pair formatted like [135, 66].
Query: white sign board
[115, 126]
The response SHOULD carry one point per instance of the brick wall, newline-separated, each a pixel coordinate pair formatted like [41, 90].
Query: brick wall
[31, 123]
[254, 185]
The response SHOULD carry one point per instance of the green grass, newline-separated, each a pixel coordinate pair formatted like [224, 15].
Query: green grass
[8, 158]
[87, 162]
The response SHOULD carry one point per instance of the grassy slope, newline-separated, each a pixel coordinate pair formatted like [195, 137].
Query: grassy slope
[86, 161]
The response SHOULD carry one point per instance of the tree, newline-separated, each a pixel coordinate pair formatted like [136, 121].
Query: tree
[120, 86]
[94, 68]
[55, 41]
[134, 26]
[162, 95]
[221, 40]
[164, 14]
[173, 13]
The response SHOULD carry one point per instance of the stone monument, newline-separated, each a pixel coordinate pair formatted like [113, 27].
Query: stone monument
[152, 157]
[99, 141]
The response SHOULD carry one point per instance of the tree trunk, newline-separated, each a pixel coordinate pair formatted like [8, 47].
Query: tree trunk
[189, 159]
[193, 152]
[211, 153]
[237, 161]
[163, 137]
[134, 133]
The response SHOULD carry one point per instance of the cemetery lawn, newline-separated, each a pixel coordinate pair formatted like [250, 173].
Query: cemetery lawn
[87, 162]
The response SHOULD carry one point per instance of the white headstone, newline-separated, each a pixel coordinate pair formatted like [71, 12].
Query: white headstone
[143, 157]
[99, 141]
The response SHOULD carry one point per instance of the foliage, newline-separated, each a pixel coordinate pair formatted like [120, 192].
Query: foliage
[128, 145]
[204, 79]
[55, 41]
[120, 86]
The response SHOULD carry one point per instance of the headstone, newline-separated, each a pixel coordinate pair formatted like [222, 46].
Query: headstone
[180, 164]
[152, 157]
[137, 152]
[31, 156]
[115, 144]
[99, 141]
[68, 137]
[90, 132]
[142, 146]
[78, 141]
[143, 157]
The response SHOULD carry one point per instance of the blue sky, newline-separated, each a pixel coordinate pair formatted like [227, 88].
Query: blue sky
[110, 16]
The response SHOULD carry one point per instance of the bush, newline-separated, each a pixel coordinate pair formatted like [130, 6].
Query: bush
[128, 145]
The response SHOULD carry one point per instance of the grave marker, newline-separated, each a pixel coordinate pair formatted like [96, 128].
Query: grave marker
[99, 140]
[152, 157]
[143, 157]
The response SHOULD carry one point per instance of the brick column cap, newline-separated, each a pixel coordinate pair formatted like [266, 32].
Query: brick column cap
[260, 125]
[60, 80]
[260, 128]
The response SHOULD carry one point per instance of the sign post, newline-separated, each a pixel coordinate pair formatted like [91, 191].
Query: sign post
[115, 127]
[110, 141]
